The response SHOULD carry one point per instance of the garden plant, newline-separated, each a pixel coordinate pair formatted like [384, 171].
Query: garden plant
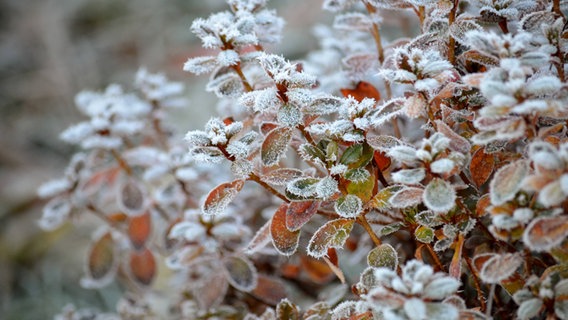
[416, 174]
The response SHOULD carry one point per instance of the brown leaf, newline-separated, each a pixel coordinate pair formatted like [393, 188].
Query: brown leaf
[284, 240]
[362, 90]
[299, 213]
[102, 258]
[545, 233]
[143, 266]
[269, 290]
[219, 198]
[131, 197]
[139, 229]
[482, 204]
[481, 166]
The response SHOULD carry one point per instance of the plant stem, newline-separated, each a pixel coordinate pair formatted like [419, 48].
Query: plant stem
[239, 71]
[477, 284]
[376, 33]
[266, 186]
[452, 41]
[365, 224]
[121, 162]
[434, 256]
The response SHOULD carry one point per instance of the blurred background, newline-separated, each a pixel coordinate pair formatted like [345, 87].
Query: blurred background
[49, 51]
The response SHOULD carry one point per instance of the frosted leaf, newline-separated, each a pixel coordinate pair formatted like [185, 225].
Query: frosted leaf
[442, 166]
[53, 188]
[426, 85]
[348, 206]
[221, 196]
[409, 176]
[357, 175]
[352, 21]
[242, 168]
[260, 239]
[284, 240]
[55, 213]
[338, 169]
[439, 195]
[507, 182]
[275, 145]
[324, 105]
[523, 215]
[187, 230]
[242, 273]
[461, 26]
[457, 142]
[261, 100]
[326, 188]
[337, 5]
[333, 234]
[441, 288]
[282, 176]
[228, 58]
[545, 233]
[500, 267]
[299, 213]
[544, 85]
[228, 85]
[406, 197]
[131, 198]
[77, 133]
[200, 65]
[289, 116]
[383, 256]
[415, 308]
[383, 142]
[100, 142]
[551, 195]
[303, 187]
[206, 155]
[403, 153]
[504, 222]
[529, 308]
[238, 149]
[197, 138]
[441, 311]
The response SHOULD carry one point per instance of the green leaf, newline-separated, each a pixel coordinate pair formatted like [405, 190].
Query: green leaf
[383, 256]
[424, 234]
[331, 235]
[352, 154]
[382, 199]
[362, 189]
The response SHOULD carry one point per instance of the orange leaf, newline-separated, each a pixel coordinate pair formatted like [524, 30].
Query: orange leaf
[139, 229]
[362, 90]
[269, 290]
[318, 271]
[143, 266]
[284, 240]
[220, 197]
[482, 204]
[481, 166]
[455, 265]
[382, 160]
[299, 213]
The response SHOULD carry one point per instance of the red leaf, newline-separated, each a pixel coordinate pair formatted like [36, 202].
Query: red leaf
[269, 290]
[382, 161]
[143, 266]
[219, 198]
[299, 213]
[275, 145]
[362, 90]
[481, 166]
[139, 229]
[284, 240]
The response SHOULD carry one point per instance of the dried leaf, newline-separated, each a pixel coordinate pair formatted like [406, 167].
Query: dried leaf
[212, 290]
[139, 229]
[242, 273]
[143, 266]
[507, 182]
[221, 196]
[545, 233]
[481, 166]
[299, 213]
[275, 145]
[284, 240]
[331, 235]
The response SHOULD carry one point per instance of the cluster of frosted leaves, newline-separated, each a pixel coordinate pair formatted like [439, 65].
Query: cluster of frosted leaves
[497, 10]
[418, 293]
[205, 144]
[61, 192]
[425, 69]
[513, 90]
[539, 294]
[546, 27]
[157, 88]
[113, 117]
[438, 195]
[530, 50]
[206, 232]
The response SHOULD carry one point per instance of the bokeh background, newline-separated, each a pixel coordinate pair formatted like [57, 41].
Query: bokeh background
[49, 51]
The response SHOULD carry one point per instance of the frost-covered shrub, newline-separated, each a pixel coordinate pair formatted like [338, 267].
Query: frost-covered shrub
[428, 174]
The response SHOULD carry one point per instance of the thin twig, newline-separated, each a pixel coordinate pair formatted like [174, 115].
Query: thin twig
[365, 224]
